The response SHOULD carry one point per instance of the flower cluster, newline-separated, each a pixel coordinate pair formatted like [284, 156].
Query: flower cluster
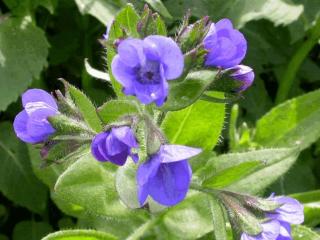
[145, 68]
[277, 226]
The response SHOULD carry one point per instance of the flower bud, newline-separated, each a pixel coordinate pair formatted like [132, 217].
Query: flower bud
[244, 75]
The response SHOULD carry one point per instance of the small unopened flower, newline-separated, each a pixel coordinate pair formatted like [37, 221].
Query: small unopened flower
[244, 75]
[271, 230]
[290, 212]
[166, 175]
[115, 145]
[226, 46]
[143, 67]
[31, 124]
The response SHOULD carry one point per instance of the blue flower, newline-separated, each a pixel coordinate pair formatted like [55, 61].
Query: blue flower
[166, 175]
[143, 67]
[290, 212]
[226, 46]
[244, 75]
[31, 124]
[278, 227]
[115, 145]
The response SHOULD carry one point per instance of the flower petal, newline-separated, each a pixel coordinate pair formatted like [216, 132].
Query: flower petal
[171, 183]
[174, 153]
[38, 95]
[114, 146]
[285, 231]
[146, 171]
[271, 230]
[170, 54]
[39, 130]
[291, 211]
[130, 52]
[124, 74]
[96, 142]
[119, 159]
[20, 127]
[125, 135]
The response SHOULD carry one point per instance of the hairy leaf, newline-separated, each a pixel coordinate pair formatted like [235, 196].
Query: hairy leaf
[17, 49]
[257, 169]
[198, 125]
[292, 123]
[103, 10]
[114, 109]
[17, 181]
[183, 94]
[79, 235]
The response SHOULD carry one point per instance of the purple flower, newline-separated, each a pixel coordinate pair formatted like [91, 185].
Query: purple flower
[226, 46]
[270, 231]
[244, 74]
[166, 175]
[115, 145]
[143, 67]
[290, 212]
[31, 124]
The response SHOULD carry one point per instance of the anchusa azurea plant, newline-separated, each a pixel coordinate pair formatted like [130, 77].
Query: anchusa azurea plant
[157, 79]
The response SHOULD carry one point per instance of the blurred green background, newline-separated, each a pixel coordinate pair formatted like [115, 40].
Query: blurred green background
[43, 40]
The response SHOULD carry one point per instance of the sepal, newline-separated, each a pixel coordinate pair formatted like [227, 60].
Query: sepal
[150, 24]
[191, 36]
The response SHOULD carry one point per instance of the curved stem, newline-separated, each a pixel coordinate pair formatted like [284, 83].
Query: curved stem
[295, 63]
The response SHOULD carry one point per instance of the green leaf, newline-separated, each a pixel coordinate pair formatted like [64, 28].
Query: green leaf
[124, 25]
[31, 230]
[49, 174]
[292, 123]
[183, 94]
[276, 162]
[159, 7]
[17, 181]
[232, 174]
[257, 169]
[103, 10]
[303, 233]
[126, 184]
[85, 107]
[87, 187]
[190, 218]
[198, 125]
[114, 109]
[25, 7]
[311, 204]
[79, 235]
[15, 52]
[280, 12]
[219, 221]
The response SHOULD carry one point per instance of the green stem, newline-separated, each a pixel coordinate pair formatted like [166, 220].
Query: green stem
[295, 63]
